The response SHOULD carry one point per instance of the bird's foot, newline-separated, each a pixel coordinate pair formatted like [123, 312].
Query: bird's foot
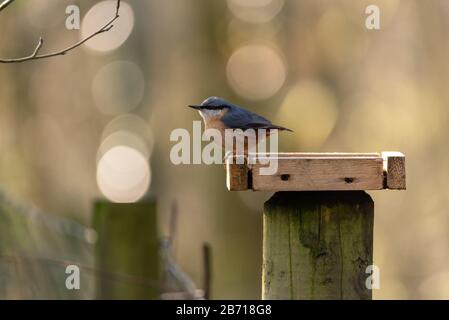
[238, 159]
[227, 155]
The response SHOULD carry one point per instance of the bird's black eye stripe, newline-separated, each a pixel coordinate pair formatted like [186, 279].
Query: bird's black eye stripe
[214, 107]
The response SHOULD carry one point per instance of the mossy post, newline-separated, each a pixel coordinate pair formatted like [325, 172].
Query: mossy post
[317, 245]
[318, 227]
[127, 250]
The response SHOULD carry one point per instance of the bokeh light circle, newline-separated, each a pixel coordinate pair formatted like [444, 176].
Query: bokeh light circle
[98, 16]
[130, 130]
[310, 110]
[118, 87]
[340, 44]
[254, 200]
[256, 72]
[255, 11]
[123, 174]
[123, 138]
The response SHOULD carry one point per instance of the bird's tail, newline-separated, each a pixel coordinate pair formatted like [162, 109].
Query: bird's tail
[280, 128]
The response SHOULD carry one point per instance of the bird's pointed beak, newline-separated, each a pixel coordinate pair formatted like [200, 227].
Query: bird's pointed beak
[196, 107]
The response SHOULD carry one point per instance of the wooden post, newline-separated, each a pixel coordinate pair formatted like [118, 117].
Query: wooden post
[127, 250]
[317, 245]
[317, 241]
[319, 171]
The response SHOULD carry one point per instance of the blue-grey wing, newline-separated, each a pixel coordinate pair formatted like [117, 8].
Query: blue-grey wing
[243, 119]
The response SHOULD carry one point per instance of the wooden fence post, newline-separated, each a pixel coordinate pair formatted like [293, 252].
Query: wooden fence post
[317, 245]
[318, 227]
[127, 250]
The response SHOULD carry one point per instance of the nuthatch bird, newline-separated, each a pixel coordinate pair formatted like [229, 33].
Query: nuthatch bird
[219, 114]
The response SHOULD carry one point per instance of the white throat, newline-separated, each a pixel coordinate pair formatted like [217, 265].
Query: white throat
[208, 114]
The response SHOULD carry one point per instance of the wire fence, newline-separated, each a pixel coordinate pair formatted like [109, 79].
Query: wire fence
[36, 247]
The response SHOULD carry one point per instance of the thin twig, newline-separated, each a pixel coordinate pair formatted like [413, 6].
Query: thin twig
[172, 222]
[5, 3]
[173, 270]
[206, 270]
[38, 47]
[34, 56]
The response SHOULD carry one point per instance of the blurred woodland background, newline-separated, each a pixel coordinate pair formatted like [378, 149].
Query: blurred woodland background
[96, 122]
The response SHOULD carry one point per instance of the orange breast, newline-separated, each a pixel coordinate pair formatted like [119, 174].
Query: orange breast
[215, 124]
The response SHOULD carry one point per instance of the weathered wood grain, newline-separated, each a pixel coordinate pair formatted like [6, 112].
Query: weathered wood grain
[319, 172]
[317, 245]
[394, 167]
[237, 174]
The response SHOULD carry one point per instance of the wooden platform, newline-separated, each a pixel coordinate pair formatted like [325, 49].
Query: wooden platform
[319, 172]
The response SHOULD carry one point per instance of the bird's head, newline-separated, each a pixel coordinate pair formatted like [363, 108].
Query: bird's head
[212, 108]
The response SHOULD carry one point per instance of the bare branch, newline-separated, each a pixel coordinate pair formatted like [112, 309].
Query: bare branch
[5, 3]
[38, 47]
[35, 56]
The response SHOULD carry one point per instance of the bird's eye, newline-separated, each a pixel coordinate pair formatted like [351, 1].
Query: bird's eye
[220, 107]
